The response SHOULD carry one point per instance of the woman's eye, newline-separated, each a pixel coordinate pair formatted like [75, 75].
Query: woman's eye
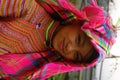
[76, 56]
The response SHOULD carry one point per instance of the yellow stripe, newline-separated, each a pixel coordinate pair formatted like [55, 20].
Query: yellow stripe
[29, 5]
[12, 7]
[18, 7]
[7, 7]
[2, 7]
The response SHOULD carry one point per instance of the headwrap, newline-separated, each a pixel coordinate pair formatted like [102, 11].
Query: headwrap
[97, 26]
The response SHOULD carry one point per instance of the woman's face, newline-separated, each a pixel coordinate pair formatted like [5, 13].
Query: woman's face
[72, 43]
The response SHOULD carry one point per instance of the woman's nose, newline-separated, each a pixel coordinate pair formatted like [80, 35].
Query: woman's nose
[71, 47]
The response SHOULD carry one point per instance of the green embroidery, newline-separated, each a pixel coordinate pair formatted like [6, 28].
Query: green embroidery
[49, 27]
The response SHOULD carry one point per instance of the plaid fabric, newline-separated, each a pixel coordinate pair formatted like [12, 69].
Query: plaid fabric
[45, 64]
[23, 65]
[57, 12]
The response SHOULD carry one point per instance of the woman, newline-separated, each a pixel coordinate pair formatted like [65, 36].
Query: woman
[41, 38]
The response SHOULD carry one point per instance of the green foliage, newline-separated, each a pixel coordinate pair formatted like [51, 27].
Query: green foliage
[57, 77]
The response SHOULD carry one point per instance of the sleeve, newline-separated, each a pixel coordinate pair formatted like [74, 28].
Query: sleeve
[14, 8]
[21, 66]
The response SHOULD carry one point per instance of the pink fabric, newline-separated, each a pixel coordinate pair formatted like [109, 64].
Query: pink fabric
[96, 20]
[14, 62]
[92, 13]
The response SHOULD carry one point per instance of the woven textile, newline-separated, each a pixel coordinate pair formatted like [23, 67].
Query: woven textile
[25, 32]
[35, 27]
[24, 29]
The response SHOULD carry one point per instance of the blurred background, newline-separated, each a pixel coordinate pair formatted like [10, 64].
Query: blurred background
[109, 68]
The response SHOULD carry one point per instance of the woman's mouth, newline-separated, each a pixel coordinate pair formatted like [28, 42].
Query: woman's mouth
[62, 45]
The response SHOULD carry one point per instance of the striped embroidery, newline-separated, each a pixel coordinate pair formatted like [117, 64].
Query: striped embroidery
[49, 27]
[21, 35]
